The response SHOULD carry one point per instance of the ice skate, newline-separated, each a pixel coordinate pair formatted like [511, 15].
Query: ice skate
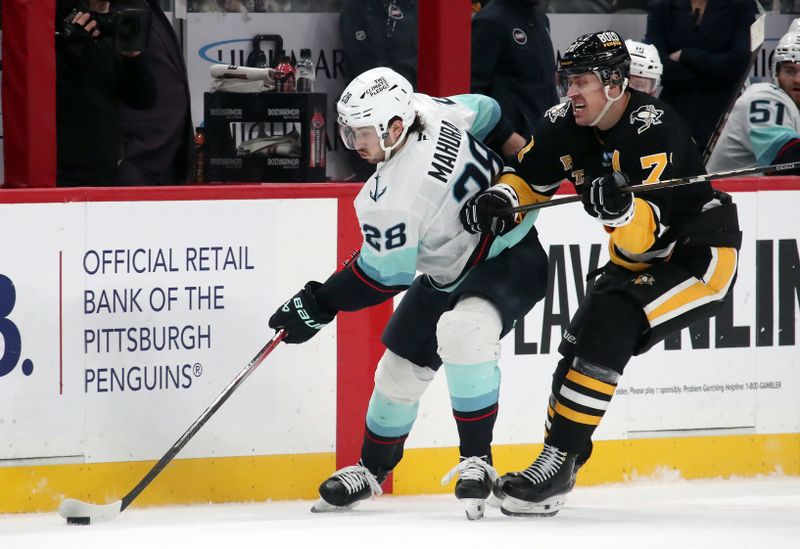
[475, 480]
[346, 488]
[541, 489]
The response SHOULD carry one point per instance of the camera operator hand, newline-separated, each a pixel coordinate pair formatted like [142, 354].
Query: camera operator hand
[83, 23]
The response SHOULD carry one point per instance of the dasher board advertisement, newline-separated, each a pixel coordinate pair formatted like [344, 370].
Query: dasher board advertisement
[121, 321]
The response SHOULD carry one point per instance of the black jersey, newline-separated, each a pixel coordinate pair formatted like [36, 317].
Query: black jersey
[650, 143]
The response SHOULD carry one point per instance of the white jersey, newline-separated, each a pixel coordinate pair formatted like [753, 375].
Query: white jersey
[409, 208]
[762, 120]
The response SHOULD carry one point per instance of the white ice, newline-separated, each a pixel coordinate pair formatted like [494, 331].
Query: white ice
[725, 514]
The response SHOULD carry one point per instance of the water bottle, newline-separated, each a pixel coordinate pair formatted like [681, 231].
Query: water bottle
[305, 72]
[284, 75]
[317, 140]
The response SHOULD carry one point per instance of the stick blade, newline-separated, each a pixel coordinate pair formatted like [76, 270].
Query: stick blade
[80, 512]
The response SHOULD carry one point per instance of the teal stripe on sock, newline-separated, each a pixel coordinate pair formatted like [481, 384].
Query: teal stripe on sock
[475, 403]
[388, 418]
[473, 386]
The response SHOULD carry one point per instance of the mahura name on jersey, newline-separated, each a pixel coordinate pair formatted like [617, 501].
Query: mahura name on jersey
[447, 145]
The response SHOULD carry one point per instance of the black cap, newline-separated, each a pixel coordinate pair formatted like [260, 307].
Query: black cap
[305, 52]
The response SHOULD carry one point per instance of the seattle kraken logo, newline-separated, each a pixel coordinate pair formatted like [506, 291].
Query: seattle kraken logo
[376, 194]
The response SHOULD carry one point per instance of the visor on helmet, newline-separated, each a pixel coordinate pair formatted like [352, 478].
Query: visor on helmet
[581, 80]
[358, 138]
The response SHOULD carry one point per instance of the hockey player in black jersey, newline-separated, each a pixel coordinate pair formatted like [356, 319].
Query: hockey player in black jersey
[673, 252]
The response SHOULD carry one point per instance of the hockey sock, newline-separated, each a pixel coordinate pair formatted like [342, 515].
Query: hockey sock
[474, 390]
[558, 379]
[583, 385]
[579, 405]
[381, 454]
[388, 425]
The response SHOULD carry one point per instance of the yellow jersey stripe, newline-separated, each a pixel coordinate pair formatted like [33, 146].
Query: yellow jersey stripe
[524, 150]
[617, 260]
[639, 235]
[524, 192]
[590, 383]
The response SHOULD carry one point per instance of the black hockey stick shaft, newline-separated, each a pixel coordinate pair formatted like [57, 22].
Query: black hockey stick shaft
[204, 417]
[756, 42]
[662, 185]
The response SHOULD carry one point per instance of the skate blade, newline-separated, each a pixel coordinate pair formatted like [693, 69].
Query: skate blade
[494, 502]
[514, 507]
[322, 506]
[474, 508]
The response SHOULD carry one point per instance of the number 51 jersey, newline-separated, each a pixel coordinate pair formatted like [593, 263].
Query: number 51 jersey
[763, 120]
[409, 208]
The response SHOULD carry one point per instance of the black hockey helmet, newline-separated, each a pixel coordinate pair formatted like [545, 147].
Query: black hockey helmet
[603, 53]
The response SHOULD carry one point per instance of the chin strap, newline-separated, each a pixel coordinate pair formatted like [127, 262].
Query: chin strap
[388, 150]
[610, 101]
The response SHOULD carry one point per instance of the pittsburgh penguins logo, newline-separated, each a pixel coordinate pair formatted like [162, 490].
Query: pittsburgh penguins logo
[557, 111]
[519, 36]
[647, 116]
[361, 35]
[643, 279]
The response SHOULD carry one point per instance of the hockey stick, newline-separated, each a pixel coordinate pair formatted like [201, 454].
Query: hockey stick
[756, 41]
[79, 512]
[661, 185]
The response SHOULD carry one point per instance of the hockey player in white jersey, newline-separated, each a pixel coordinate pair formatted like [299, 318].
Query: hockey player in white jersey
[429, 161]
[764, 125]
[646, 68]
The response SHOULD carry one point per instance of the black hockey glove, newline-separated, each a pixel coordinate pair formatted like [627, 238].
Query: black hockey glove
[603, 200]
[480, 213]
[301, 316]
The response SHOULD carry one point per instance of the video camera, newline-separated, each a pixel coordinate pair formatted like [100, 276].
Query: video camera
[129, 29]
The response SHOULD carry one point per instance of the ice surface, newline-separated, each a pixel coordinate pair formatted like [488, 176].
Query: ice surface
[725, 514]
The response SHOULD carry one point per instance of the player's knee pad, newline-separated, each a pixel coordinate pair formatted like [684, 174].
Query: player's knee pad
[401, 380]
[470, 332]
[399, 384]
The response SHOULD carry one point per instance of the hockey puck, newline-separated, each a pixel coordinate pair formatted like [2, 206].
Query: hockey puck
[78, 520]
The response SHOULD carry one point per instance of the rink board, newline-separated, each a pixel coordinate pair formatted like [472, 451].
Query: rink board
[125, 313]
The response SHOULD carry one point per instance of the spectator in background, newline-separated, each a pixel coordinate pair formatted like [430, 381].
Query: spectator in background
[764, 124]
[158, 143]
[646, 68]
[380, 33]
[513, 62]
[92, 81]
[705, 46]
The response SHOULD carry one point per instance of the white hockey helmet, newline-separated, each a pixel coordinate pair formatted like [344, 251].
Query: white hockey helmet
[787, 50]
[374, 98]
[645, 61]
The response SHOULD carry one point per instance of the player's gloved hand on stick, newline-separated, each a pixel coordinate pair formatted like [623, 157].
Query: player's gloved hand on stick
[603, 200]
[480, 213]
[301, 316]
